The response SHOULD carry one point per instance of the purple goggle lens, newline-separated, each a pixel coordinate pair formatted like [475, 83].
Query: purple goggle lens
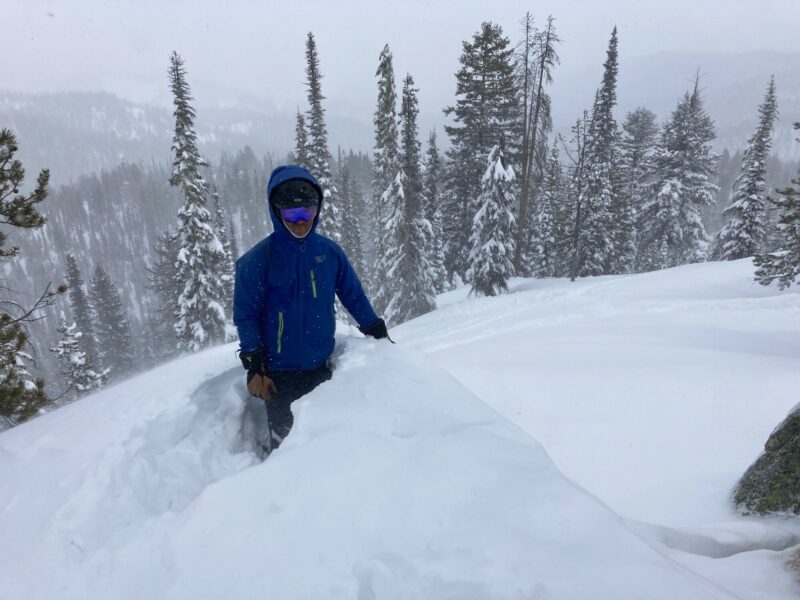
[298, 213]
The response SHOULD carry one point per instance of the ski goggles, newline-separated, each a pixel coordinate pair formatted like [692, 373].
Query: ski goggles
[296, 214]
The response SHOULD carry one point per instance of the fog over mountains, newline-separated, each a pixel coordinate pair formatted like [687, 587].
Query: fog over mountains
[77, 133]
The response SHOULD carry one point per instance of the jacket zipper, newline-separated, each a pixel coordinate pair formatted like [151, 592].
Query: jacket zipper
[280, 330]
[313, 284]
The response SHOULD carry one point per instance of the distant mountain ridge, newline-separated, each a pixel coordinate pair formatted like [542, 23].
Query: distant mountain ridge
[75, 133]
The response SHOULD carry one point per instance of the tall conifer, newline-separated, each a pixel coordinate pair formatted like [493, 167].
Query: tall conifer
[432, 194]
[81, 310]
[539, 58]
[410, 285]
[117, 352]
[783, 265]
[301, 141]
[319, 156]
[385, 168]
[596, 237]
[486, 111]
[670, 222]
[491, 258]
[200, 260]
[745, 232]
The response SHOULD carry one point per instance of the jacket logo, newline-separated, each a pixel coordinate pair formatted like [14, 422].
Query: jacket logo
[320, 259]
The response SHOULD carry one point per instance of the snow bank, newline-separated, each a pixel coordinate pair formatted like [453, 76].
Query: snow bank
[395, 483]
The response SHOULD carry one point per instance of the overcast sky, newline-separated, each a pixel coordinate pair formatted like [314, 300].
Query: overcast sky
[248, 49]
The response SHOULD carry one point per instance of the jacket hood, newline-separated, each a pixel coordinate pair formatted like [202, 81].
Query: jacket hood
[280, 175]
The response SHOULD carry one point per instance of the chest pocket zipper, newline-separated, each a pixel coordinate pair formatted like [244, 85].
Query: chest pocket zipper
[313, 284]
[280, 330]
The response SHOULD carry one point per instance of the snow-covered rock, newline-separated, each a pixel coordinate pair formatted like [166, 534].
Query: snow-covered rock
[772, 483]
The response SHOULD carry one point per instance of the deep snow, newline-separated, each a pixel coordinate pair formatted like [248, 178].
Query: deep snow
[654, 392]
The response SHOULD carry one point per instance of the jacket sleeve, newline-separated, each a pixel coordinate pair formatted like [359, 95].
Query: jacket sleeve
[248, 304]
[350, 292]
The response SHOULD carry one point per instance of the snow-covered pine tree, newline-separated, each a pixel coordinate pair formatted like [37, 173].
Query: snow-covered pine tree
[21, 396]
[596, 235]
[545, 246]
[784, 264]
[431, 192]
[163, 280]
[301, 141]
[670, 225]
[639, 134]
[409, 282]
[115, 343]
[233, 243]
[572, 216]
[227, 268]
[385, 167]
[745, 233]
[81, 311]
[319, 156]
[200, 261]
[351, 230]
[491, 259]
[77, 370]
[535, 64]
[622, 257]
[486, 110]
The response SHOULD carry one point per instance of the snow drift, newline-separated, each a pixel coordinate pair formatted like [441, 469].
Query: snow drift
[395, 483]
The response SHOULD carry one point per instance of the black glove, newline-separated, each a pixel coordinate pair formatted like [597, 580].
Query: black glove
[376, 329]
[254, 362]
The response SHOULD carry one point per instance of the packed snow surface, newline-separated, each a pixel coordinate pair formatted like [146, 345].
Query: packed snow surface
[415, 472]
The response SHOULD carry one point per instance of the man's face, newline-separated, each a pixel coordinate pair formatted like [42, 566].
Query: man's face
[300, 228]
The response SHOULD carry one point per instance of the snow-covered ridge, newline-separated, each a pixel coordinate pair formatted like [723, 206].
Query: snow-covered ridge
[395, 483]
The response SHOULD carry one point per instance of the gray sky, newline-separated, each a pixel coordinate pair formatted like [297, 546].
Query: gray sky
[251, 50]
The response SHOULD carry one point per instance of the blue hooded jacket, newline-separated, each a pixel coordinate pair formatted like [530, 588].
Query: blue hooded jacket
[283, 296]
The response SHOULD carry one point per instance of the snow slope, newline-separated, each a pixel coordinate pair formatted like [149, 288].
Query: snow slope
[654, 392]
[398, 482]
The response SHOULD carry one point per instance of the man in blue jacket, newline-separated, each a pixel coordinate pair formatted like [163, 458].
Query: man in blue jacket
[283, 301]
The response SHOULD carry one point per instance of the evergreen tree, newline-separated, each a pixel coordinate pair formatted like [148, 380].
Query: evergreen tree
[410, 284]
[670, 224]
[639, 134]
[386, 166]
[537, 61]
[432, 195]
[235, 253]
[783, 265]
[491, 260]
[319, 156]
[486, 111]
[21, 396]
[574, 210]
[76, 366]
[200, 260]
[745, 233]
[301, 141]
[227, 267]
[81, 311]
[163, 281]
[351, 231]
[622, 257]
[385, 273]
[115, 342]
[544, 259]
[596, 236]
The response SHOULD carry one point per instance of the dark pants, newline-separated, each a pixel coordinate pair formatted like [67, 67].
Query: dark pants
[291, 386]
